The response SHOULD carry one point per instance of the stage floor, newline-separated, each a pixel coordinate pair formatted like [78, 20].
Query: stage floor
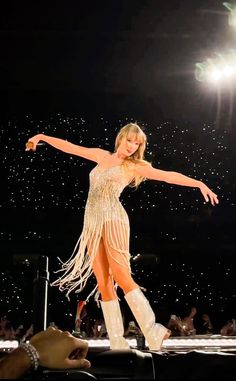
[179, 344]
[181, 358]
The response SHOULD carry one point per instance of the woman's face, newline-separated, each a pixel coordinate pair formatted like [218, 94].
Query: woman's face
[129, 145]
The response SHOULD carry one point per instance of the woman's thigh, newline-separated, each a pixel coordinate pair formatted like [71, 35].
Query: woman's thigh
[102, 272]
[116, 243]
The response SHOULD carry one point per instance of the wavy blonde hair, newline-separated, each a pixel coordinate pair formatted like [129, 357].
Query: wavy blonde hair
[133, 130]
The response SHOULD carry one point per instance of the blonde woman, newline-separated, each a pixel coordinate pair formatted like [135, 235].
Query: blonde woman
[103, 246]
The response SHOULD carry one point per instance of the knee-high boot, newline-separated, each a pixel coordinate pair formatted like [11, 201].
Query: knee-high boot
[153, 332]
[114, 324]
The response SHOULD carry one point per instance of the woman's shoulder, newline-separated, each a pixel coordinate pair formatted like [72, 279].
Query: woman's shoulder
[135, 164]
[141, 164]
[101, 154]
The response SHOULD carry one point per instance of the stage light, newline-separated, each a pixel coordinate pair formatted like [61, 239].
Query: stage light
[220, 69]
[227, 71]
[214, 75]
[8, 345]
[232, 14]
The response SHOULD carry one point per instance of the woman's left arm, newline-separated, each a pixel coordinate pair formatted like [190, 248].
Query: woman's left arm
[176, 178]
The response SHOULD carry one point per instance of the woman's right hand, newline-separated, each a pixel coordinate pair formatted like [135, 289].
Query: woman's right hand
[32, 142]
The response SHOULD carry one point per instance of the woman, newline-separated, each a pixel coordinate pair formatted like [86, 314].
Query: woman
[103, 247]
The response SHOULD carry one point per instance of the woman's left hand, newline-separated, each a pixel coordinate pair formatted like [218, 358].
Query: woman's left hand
[208, 194]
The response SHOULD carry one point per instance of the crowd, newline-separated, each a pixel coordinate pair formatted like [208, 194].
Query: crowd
[199, 324]
[57, 349]
[193, 323]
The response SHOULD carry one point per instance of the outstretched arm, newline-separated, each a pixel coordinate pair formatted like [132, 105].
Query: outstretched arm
[176, 178]
[94, 154]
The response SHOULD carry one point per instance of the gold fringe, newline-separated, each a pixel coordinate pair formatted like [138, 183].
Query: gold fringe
[104, 215]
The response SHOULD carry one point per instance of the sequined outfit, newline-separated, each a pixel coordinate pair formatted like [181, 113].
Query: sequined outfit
[104, 217]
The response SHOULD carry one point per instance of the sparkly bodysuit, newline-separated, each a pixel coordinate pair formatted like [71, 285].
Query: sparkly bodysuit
[104, 218]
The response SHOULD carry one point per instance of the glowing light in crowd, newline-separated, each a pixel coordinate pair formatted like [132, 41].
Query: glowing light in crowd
[232, 14]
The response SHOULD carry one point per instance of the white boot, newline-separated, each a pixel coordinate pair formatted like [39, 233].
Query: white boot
[114, 324]
[154, 332]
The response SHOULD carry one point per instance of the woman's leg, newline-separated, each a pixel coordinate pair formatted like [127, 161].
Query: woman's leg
[109, 304]
[103, 274]
[116, 243]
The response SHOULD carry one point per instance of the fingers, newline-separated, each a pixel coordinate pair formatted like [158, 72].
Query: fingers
[214, 199]
[211, 200]
[77, 357]
[67, 350]
[29, 146]
[81, 347]
[206, 198]
[67, 334]
[210, 196]
[78, 363]
[53, 329]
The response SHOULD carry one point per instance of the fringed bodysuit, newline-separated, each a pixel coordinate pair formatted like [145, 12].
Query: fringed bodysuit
[104, 217]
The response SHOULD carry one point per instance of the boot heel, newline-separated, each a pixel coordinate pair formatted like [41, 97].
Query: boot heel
[154, 332]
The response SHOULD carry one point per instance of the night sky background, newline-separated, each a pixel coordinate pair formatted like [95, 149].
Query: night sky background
[79, 71]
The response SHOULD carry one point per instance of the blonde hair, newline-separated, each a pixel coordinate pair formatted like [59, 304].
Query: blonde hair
[133, 129]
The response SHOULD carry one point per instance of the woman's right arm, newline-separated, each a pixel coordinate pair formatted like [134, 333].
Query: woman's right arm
[94, 154]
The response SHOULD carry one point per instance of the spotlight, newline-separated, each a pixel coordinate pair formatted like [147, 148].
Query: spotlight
[232, 14]
[219, 69]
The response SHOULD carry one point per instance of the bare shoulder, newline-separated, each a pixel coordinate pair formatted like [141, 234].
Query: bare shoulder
[141, 167]
[100, 154]
[136, 169]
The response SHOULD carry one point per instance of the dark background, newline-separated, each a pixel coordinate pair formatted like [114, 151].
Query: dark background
[79, 71]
